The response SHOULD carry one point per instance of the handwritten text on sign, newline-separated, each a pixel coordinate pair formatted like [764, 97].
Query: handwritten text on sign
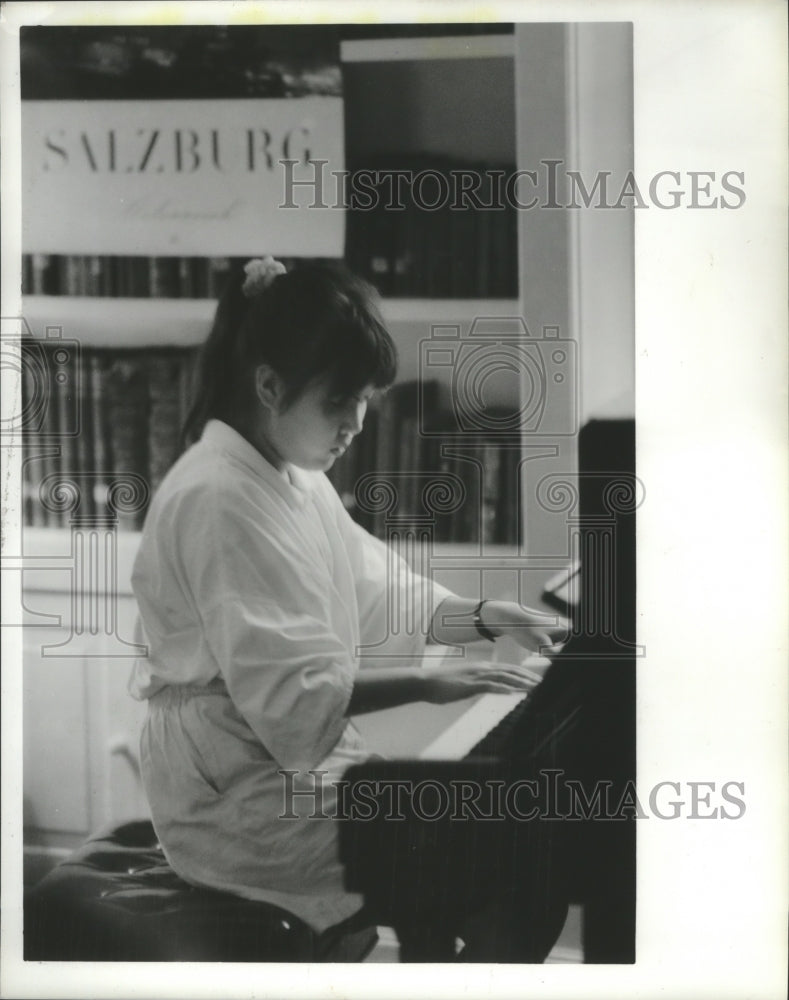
[179, 177]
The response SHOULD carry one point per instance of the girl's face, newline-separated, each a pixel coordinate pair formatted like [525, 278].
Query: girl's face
[314, 430]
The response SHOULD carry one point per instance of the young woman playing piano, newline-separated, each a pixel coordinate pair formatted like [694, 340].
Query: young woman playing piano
[256, 590]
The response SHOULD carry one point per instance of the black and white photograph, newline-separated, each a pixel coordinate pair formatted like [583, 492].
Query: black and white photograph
[394, 443]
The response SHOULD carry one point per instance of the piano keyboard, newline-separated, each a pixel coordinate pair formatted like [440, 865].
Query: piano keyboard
[489, 712]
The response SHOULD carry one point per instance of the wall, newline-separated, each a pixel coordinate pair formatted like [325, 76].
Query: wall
[545, 270]
[80, 726]
[576, 264]
[605, 286]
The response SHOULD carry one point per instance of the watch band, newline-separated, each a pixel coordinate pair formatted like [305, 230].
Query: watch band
[482, 629]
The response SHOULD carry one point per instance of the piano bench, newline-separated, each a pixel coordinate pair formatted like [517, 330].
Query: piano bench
[116, 899]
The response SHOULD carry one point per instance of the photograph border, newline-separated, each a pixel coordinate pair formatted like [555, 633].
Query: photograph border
[711, 353]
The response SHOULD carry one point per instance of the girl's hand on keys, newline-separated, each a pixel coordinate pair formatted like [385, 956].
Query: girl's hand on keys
[445, 682]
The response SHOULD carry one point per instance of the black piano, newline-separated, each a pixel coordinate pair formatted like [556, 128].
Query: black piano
[540, 812]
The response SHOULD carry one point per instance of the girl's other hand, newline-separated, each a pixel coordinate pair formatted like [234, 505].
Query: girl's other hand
[533, 630]
[445, 682]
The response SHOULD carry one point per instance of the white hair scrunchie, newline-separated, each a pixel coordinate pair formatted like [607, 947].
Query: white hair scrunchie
[260, 272]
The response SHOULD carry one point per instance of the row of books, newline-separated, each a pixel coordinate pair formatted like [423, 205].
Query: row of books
[440, 244]
[92, 416]
[449, 254]
[127, 277]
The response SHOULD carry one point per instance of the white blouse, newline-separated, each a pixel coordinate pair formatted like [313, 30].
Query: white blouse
[270, 585]
[273, 586]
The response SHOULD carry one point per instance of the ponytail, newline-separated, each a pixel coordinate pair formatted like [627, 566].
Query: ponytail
[213, 377]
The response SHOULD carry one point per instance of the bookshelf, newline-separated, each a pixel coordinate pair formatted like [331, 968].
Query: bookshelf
[137, 322]
[427, 90]
[124, 322]
[537, 93]
[130, 380]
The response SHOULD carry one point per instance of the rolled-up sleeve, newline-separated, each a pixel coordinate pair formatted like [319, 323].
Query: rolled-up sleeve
[396, 605]
[287, 674]
[265, 622]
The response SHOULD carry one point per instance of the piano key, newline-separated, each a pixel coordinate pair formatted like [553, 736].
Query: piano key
[465, 732]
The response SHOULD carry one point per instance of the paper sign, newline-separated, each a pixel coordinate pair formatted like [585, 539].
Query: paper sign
[204, 177]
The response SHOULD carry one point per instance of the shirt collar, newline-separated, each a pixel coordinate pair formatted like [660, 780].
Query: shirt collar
[295, 491]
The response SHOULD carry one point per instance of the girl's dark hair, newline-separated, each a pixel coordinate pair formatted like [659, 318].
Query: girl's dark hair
[318, 319]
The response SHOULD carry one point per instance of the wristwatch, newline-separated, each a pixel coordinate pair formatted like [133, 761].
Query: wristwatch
[482, 629]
